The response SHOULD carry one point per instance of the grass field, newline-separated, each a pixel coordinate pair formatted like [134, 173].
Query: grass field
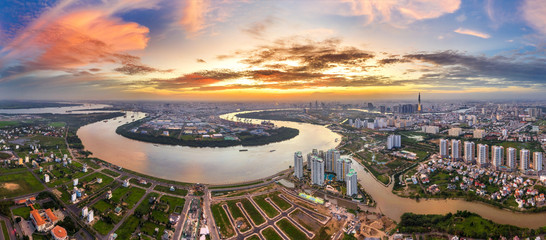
[253, 237]
[102, 206]
[5, 230]
[145, 205]
[106, 180]
[290, 230]
[110, 172]
[4, 155]
[57, 124]
[128, 227]
[24, 211]
[237, 214]
[149, 229]
[102, 227]
[177, 191]
[281, 203]
[173, 203]
[8, 123]
[19, 184]
[257, 218]
[129, 195]
[270, 234]
[222, 221]
[265, 206]
[160, 216]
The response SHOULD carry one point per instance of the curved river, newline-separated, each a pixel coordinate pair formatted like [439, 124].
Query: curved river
[227, 165]
[201, 165]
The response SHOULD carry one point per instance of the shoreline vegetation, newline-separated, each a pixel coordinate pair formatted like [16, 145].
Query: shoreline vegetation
[462, 224]
[276, 135]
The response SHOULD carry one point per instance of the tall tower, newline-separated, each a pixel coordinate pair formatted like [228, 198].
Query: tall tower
[419, 103]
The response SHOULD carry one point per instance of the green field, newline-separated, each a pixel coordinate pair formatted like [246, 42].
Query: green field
[237, 214]
[4, 155]
[8, 123]
[270, 234]
[57, 124]
[257, 218]
[145, 205]
[24, 211]
[160, 216]
[102, 227]
[281, 203]
[290, 230]
[106, 180]
[13, 185]
[177, 191]
[5, 230]
[128, 227]
[149, 229]
[174, 203]
[110, 172]
[129, 195]
[102, 206]
[462, 223]
[222, 221]
[265, 206]
[253, 237]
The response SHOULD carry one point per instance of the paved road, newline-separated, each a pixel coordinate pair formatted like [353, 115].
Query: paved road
[10, 229]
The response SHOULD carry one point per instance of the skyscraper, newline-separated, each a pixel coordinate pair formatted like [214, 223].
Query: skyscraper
[394, 141]
[482, 154]
[331, 158]
[317, 170]
[469, 151]
[455, 149]
[443, 148]
[497, 156]
[537, 161]
[351, 183]
[511, 160]
[343, 165]
[419, 102]
[524, 157]
[298, 165]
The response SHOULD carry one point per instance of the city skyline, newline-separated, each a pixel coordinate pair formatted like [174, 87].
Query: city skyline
[273, 50]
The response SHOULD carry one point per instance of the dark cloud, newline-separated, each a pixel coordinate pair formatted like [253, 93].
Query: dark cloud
[386, 61]
[94, 69]
[138, 69]
[510, 69]
[311, 55]
[257, 29]
[199, 60]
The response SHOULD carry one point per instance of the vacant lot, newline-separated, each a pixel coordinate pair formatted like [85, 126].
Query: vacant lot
[270, 234]
[305, 220]
[222, 221]
[290, 230]
[257, 218]
[19, 184]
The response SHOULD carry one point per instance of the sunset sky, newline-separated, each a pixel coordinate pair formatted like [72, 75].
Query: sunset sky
[272, 50]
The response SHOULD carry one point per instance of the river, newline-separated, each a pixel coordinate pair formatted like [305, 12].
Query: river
[228, 165]
[201, 165]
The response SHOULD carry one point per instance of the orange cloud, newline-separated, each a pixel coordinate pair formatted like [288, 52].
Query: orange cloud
[400, 12]
[77, 39]
[194, 16]
[472, 33]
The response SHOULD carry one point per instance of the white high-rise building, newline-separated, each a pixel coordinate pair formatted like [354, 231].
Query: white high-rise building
[511, 160]
[298, 165]
[443, 148]
[469, 151]
[331, 158]
[317, 170]
[394, 141]
[482, 154]
[351, 183]
[90, 216]
[537, 161]
[455, 149]
[46, 178]
[85, 211]
[497, 156]
[73, 197]
[343, 165]
[524, 157]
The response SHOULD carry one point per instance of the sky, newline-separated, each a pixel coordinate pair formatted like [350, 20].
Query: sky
[224, 50]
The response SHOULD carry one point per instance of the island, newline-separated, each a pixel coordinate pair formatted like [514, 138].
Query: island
[214, 132]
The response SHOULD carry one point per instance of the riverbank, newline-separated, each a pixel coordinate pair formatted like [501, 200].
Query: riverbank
[275, 135]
